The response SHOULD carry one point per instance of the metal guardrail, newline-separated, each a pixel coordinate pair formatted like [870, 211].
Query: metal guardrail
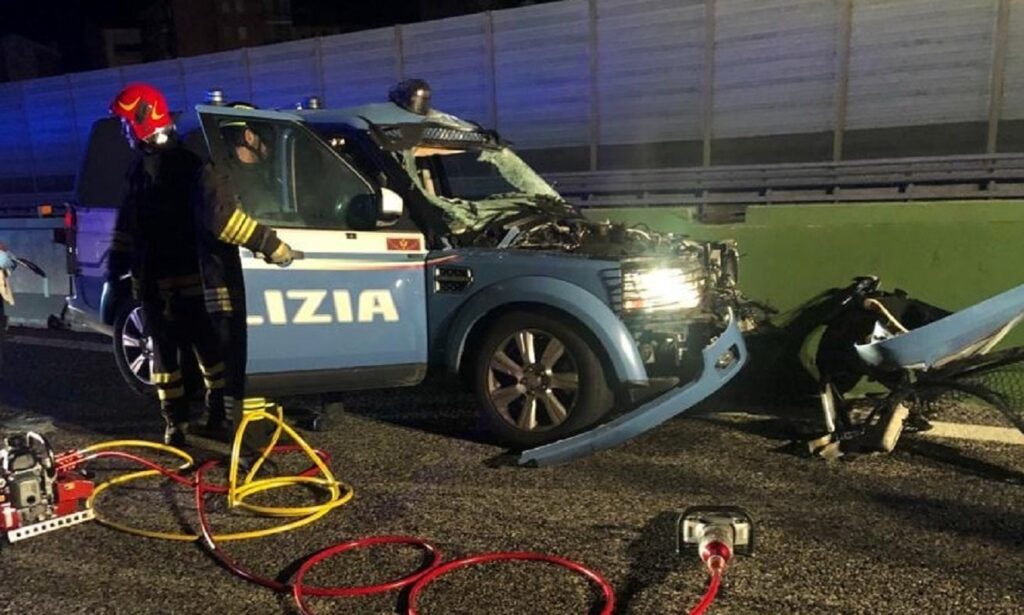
[735, 187]
[725, 191]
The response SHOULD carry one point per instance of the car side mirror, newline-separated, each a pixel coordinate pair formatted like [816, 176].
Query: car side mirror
[391, 207]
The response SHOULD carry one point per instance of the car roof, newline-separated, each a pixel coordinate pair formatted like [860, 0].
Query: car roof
[357, 117]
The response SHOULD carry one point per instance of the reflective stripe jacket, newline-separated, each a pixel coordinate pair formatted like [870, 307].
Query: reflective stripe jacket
[154, 236]
[224, 227]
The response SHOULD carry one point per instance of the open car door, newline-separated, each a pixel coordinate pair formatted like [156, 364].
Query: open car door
[351, 313]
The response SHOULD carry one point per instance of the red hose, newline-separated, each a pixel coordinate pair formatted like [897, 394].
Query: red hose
[299, 590]
[433, 574]
[204, 526]
[709, 595]
[170, 473]
[419, 579]
[175, 474]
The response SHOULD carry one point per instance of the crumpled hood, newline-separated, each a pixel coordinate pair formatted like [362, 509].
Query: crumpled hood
[544, 223]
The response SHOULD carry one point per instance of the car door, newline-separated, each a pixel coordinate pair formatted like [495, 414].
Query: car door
[351, 313]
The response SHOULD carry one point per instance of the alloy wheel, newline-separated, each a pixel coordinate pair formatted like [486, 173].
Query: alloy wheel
[533, 380]
[137, 347]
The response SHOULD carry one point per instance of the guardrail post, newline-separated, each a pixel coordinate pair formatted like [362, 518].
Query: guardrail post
[708, 84]
[24, 121]
[318, 51]
[79, 146]
[842, 76]
[399, 54]
[492, 103]
[595, 108]
[995, 101]
[248, 72]
[707, 94]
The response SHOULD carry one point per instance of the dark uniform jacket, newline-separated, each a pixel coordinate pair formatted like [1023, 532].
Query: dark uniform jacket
[154, 236]
[224, 226]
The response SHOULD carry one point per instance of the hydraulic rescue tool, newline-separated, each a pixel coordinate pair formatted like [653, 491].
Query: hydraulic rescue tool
[718, 532]
[38, 491]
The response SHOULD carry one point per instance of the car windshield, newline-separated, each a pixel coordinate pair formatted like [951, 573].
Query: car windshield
[476, 186]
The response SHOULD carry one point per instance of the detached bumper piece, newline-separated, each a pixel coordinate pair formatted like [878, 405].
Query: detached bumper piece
[723, 359]
[972, 331]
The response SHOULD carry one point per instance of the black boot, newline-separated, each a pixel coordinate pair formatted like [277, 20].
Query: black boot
[175, 413]
[174, 434]
[217, 426]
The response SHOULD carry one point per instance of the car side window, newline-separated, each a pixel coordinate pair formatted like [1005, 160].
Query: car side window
[284, 176]
[328, 192]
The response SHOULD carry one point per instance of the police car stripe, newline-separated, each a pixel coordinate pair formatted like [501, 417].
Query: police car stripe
[339, 264]
[312, 241]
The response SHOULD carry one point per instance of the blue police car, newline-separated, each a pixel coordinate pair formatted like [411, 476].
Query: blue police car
[428, 242]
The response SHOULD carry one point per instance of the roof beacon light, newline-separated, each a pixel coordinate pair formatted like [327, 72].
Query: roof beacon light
[412, 95]
[215, 97]
[309, 102]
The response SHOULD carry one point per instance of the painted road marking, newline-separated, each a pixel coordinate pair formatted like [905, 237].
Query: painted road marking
[983, 433]
[28, 340]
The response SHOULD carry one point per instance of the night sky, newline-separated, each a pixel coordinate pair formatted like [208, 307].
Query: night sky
[70, 24]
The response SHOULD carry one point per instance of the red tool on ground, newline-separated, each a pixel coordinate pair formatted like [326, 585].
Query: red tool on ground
[39, 492]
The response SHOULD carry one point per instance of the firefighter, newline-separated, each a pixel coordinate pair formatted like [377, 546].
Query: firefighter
[155, 239]
[232, 191]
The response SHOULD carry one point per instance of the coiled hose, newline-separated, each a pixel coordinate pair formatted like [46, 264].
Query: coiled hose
[317, 475]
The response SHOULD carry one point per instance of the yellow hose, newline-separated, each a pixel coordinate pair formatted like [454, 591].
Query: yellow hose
[340, 493]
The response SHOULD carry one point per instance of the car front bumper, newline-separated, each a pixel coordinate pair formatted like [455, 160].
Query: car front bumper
[723, 359]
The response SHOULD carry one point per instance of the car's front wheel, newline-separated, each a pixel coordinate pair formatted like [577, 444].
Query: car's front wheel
[133, 349]
[538, 380]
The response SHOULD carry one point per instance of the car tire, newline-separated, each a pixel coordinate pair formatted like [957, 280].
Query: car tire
[133, 350]
[537, 379]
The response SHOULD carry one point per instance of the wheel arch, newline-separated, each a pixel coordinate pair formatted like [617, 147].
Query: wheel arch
[594, 320]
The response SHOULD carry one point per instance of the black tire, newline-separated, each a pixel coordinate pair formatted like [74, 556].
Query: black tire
[133, 352]
[558, 409]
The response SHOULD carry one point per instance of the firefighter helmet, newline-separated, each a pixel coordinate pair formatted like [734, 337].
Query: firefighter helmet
[144, 113]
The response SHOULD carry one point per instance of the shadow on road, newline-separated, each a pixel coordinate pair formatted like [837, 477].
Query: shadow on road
[951, 516]
[651, 559]
[955, 458]
[435, 407]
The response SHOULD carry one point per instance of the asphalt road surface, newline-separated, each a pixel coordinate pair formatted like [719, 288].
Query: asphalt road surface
[935, 527]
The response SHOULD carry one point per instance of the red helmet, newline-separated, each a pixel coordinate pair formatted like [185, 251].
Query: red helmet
[144, 112]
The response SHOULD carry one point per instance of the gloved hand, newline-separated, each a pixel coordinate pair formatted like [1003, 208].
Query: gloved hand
[282, 256]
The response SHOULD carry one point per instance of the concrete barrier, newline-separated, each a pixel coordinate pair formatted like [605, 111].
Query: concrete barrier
[952, 254]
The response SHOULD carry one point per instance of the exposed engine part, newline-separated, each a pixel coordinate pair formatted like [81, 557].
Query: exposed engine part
[35, 495]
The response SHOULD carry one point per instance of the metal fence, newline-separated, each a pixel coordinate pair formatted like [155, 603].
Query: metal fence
[587, 74]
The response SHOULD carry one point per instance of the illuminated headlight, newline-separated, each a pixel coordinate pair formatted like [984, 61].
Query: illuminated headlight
[661, 290]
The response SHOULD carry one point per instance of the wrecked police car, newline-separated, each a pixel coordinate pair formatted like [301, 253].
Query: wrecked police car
[428, 242]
